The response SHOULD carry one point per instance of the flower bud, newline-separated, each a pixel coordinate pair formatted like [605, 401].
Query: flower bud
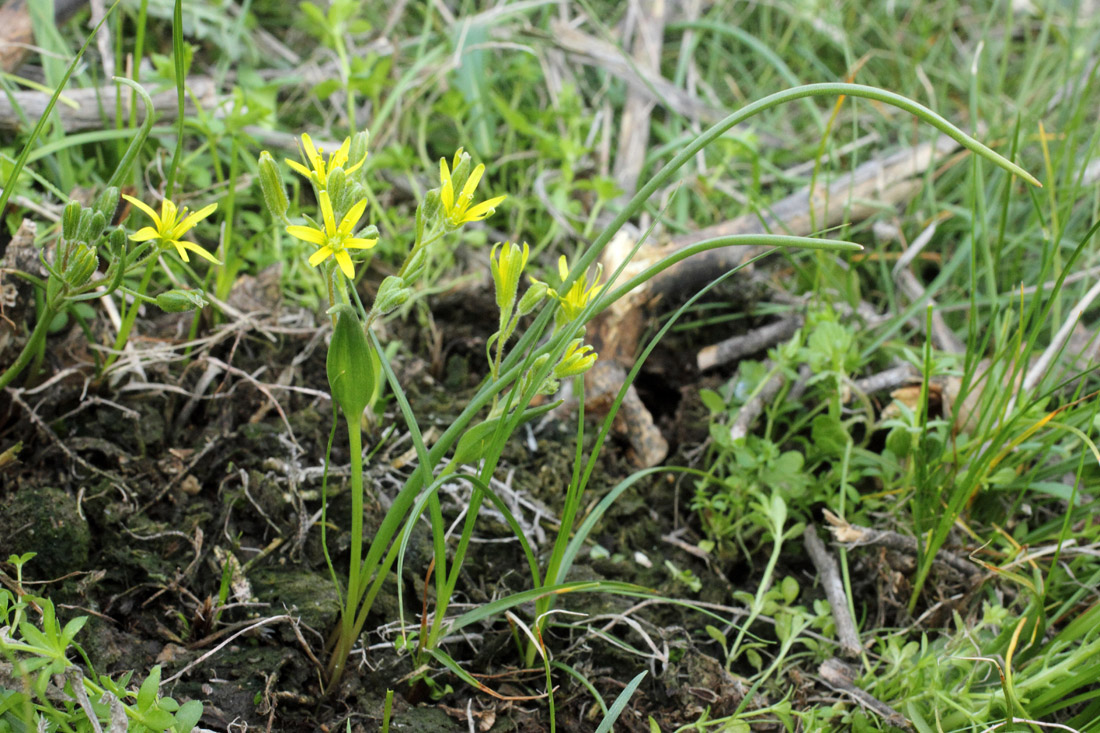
[416, 265]
[533, 297]
[432, 207]
[83, 261]
[357, 152]
[392, 293]
[337, 187]
[116, 241]
[92, 226]
[506, 262]
[180, 301]
[351, 374]
[577, 359]
[460, 170]
[70, 220]
[107, 203]
[271, 185]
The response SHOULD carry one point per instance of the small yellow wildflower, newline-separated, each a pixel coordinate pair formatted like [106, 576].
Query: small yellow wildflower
[457, 210]
[320, 171]
[577, 359]
[579, 293]
[170, 226]
[334, 241]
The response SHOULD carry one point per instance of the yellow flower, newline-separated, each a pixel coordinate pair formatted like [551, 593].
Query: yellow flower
[580, 293]
[334, 241]
[577, 359]
[457, 210]
[170, 226]
[319, 174]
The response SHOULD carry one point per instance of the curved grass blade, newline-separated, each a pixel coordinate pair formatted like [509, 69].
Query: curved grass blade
[620, 704]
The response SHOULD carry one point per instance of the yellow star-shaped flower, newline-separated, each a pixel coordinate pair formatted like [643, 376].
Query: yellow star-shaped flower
[321, 169]
[331, 239]
[579, 293]
[457, 210]
[170, 226]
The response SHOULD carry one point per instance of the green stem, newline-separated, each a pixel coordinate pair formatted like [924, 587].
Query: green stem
[355, 445]
[34, 342]
[130, 316]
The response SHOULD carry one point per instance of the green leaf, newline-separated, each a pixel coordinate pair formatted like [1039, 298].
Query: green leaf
[147, 694]
[829, 435]
[187, 717]
[712, 401]
[789, 589]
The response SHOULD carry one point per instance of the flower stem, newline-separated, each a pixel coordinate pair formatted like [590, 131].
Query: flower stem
[38, 335]
[131, 316]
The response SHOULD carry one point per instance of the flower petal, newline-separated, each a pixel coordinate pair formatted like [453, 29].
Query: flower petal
[194, 218]
[298, 167]
[326, 212]
[484, 209]
[352, 217]
[181, 250]
[168, 213]
[340, 157]
[563, 267]
[344, 260]
[355, 166]
[358, 243]
[182, 245]
[446, 190]
[306, 234]
[144, 234]
[312, 155]
[320, 255]
[148, 211]
[473, 180]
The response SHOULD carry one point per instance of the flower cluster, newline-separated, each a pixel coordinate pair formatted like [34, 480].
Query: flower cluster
[340, 197]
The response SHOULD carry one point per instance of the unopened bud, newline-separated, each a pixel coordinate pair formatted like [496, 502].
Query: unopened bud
[83, 261]
[107, 203]
[116, 241]
[271, 185]
[179, 301]
[70, 220]
[578, 359]
[533, 297]
[337, 186]
[392, 293]
[416, 265]
[357, 152]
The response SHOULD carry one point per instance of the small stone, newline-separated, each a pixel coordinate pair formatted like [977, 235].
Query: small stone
[190, 485]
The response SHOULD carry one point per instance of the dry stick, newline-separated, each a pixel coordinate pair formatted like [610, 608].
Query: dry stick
[752, 409]
[634, 122]
[604, 381]
[834, 590]
[838, 676]
[90, 103]
[17, 33]
[738, 347]
[891, 378]
[1041, 366]
[853, 535]
[643, 81]
[879, 183]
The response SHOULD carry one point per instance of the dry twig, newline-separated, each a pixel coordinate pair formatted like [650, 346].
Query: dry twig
[834, 590]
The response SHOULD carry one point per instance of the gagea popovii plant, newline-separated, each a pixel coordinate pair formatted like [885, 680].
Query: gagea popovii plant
[523, 363]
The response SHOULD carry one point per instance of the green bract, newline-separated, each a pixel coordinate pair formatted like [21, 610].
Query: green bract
[349, 364]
